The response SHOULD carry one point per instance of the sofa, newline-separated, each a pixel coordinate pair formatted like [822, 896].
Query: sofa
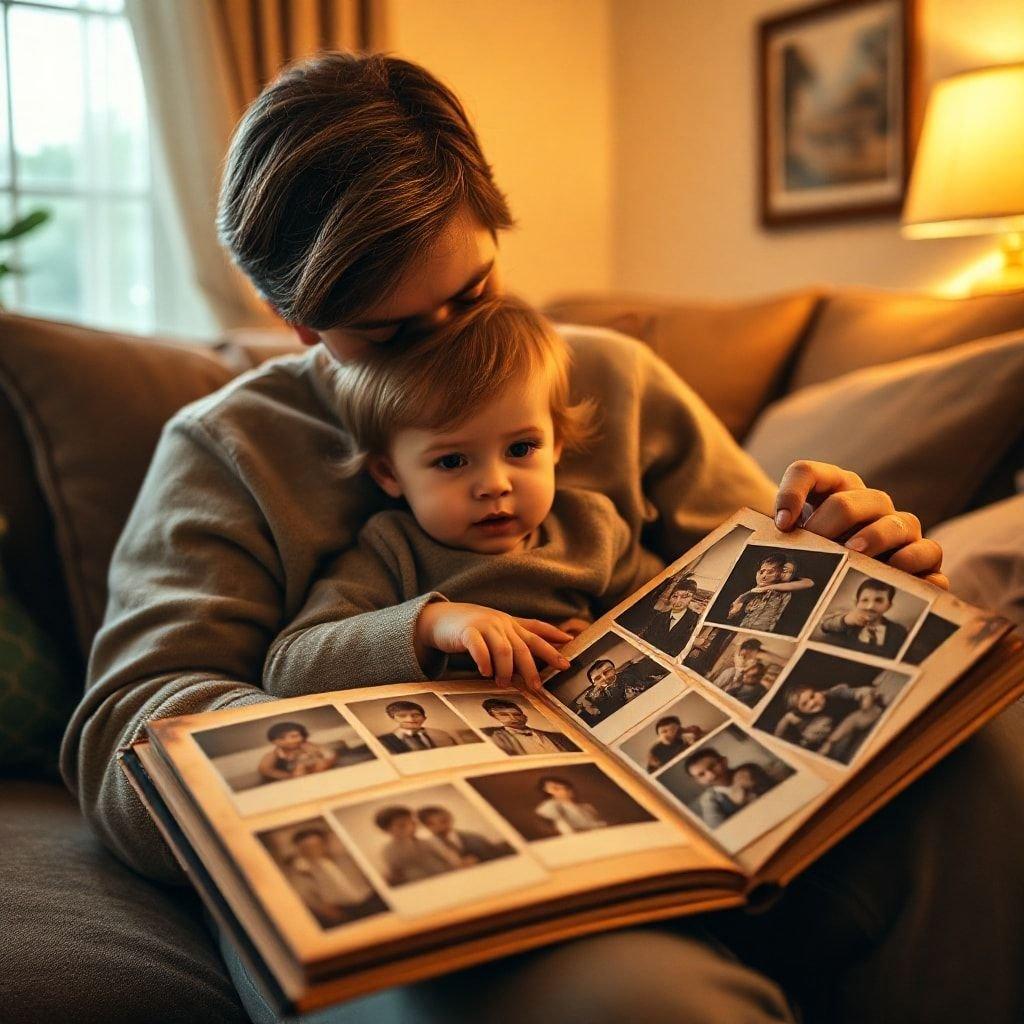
[922, 396]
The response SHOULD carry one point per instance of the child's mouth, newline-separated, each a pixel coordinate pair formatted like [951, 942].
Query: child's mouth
[497, 523]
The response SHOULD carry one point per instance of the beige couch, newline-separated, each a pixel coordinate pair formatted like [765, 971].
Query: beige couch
[922, 396]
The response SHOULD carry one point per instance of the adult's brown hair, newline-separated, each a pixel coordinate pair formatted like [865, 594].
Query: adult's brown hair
[343, 171]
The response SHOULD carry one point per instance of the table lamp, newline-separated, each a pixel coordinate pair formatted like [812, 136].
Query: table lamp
[968, 176]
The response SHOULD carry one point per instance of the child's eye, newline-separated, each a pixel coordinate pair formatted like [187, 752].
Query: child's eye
[449, 462]
[521, 449]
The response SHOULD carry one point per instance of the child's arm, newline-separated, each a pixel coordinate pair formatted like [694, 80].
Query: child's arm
[268, 771]
[801, 584]
[790, 718]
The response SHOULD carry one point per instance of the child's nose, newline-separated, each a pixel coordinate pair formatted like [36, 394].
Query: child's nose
[492, 483]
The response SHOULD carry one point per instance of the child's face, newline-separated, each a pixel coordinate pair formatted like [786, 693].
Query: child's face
[439, 823]
[403, 827]
[560, 791]
[787, 572]
[486, 484]
[409, 719]
[710, 771]
[515, 717]
[810, 702]
[291, 740]
[669, 732]
[768, 572]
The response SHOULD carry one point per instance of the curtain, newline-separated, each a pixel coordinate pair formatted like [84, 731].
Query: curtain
[203, 62]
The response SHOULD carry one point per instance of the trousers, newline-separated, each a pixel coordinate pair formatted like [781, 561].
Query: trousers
[917, 916]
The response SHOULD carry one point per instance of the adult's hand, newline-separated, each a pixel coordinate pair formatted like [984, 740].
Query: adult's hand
[842, 508]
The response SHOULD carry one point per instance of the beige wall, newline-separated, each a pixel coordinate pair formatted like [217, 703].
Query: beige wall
[685, 213]
[535, 77]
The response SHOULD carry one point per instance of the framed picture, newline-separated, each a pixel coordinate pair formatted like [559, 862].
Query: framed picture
[839, 94]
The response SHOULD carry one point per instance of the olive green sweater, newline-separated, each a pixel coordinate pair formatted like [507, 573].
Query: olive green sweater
[244, 505]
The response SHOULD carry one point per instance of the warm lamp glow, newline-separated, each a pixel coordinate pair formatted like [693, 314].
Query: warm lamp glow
[968, 175]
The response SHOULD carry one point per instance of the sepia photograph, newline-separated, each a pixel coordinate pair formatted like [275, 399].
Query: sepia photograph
[666, 616]
[743, 666]
[671, 731]
[266, 762]
[512, 723]
[322, 872]
[417, 841]
[830, 705]
[603, 679]
[869, 616]
[736, 787]
[774, 589]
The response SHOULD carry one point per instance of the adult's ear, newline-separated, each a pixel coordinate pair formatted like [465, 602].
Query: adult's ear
[379, 467]
[306, 334]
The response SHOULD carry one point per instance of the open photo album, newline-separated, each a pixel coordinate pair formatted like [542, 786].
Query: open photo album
[713, 735]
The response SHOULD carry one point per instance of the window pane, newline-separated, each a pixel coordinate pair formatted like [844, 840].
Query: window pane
[53, 258]
[118, 135]
[125, 289]
[47, 96]
[56, 3]
[114, 6]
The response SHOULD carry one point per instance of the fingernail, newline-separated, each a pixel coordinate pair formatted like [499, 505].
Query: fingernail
[783, 518]
[856, 543]
[565, 663]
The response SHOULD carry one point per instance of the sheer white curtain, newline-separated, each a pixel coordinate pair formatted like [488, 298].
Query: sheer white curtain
[202, 62]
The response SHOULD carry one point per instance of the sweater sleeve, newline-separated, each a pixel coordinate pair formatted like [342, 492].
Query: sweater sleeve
[194, 597]
[354, 630]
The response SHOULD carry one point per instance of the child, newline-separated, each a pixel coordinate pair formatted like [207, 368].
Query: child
[852, 710]
[406, 857]
[563, 809]
[466, 426]
[762, 606]
[292, 754]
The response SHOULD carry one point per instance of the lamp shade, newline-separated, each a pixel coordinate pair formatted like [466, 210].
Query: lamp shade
[968, 176]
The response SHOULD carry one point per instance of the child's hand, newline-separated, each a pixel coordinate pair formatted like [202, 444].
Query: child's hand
[864, 519]
[498, 643]
[856, 618]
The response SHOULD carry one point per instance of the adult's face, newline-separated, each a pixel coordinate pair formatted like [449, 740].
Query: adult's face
[439, 824]
[711, 771]
[603, 675]
[768, 572]
[679, 600]
[873, 603]
[411, 720]
[459, 269]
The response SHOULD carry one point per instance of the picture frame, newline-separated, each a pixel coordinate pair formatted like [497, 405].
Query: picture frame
[839, 96]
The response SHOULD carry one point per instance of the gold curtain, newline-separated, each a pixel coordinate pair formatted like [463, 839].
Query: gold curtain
[203, 62]
[260, 36]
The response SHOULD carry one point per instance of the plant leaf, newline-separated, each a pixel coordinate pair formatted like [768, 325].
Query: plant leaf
[26, 224]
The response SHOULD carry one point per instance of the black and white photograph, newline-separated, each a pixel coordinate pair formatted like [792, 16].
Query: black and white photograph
[604, 679]
[266, 761]
[830, 704]
[932, 634]
[869, 616]
[322, 872]
[415, 841]
[744, 666]
[572, 813]
[736, 787]
[420, 732]
[513, 724]
[837, 83]
[666, 616]
[774, 589]
[672, 731]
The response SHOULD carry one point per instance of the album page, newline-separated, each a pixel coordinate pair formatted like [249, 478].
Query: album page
[360, 819]
[760, 672]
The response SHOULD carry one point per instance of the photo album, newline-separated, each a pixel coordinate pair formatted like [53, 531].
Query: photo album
[712, 736]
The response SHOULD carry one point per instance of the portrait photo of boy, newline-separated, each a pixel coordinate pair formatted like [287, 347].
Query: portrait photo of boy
[512, 724]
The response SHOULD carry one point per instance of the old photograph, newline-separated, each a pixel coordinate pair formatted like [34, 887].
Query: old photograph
[774, 589]
[672, 731]
[604, 678]
[932, 634]
[512, 723]
[830, 704]
[322, 872]
[666, 616]
[277, 760]
[869, 616]
[744, 666]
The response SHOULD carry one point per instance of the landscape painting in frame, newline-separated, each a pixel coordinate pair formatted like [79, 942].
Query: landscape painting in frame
[838, 88]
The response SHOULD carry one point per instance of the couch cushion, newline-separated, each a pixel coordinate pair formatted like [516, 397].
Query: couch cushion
[92, 405]
[86, 940]
[927, 430]
[859, 327]
[732, 354]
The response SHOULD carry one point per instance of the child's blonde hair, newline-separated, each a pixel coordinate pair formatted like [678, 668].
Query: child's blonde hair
[438, 380]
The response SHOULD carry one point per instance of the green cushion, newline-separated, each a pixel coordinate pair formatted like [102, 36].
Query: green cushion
[34, 693]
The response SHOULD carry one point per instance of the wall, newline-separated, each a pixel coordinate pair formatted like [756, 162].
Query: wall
[535, 76]
[685, 218]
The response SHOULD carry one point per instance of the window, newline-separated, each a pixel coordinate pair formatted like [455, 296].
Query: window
[74, 140]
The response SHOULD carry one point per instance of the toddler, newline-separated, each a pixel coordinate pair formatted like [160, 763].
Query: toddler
[463, 428]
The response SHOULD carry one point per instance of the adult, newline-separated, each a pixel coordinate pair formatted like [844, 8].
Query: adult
[358, 201]
[470, 847]
[410, 733]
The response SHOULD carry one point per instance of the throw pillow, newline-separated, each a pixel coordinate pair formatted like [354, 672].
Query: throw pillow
[926, 429]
